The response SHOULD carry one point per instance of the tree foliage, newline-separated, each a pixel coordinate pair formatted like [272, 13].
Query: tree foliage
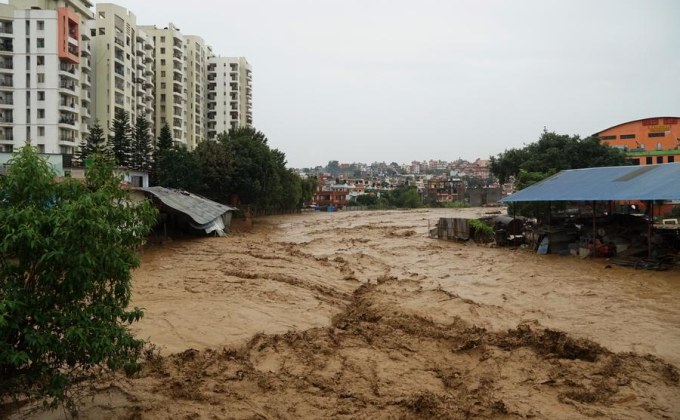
[94, 143]
[142, 146]
[121, 142]
[553, 153]
[65, 261]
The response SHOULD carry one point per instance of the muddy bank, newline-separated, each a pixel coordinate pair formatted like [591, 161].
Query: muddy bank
[361, 315]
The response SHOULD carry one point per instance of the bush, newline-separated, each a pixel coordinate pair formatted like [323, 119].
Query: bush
[65, 259]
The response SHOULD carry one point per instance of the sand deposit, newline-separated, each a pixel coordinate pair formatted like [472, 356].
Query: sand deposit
[361, 315]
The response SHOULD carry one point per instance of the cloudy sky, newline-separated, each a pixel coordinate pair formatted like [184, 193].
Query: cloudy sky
[397, 80]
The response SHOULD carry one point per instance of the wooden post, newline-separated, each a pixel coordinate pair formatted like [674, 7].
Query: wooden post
[594, 227]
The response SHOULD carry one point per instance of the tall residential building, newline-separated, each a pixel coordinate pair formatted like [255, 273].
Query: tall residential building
[197, 53]
[123, 66]
[44, 74]
[169, 69]
[229, 94]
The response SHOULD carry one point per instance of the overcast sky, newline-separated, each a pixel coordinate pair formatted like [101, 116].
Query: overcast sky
[397, 80]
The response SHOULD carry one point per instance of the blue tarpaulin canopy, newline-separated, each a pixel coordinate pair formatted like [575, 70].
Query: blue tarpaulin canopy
[615, 183]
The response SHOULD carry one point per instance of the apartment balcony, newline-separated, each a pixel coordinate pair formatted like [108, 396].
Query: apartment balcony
[177, 89]
[120, 57]
[73, 49]
[6, 83]
[6, 118]
[177, 44]
[68, 70]
[7, 65]
[67, 104]
[118, 40]
[67, 139]
[6, 46]
[6, 101]
[140, 65]
[85, 112]
[6, 28]
[86, 81]
[85, 52]
[119, 70]
[85, 65]
[68, 87]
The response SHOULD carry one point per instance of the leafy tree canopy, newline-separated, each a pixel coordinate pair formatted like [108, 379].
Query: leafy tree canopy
[553, 153]
[65, 258]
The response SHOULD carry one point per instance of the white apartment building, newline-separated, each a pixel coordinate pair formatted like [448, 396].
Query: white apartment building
[229, 94]
[197, 54]
[123, 69]
[169, 73]
[44, 74]
[63, 65]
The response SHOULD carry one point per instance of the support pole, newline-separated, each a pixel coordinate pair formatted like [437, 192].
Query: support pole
[594, 226]
[649, 228]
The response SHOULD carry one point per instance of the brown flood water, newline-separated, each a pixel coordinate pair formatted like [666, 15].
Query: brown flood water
[360, 314]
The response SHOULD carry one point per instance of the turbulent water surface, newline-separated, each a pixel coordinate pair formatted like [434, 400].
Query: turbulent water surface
[362, 315]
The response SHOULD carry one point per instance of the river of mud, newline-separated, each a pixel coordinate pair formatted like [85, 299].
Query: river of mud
[360, 314]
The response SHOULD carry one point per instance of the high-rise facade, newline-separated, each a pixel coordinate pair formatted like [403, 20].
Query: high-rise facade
[169, 75]
[45, 74]
[229, 87]
[197, 54]
[123, 66]
[63, 65]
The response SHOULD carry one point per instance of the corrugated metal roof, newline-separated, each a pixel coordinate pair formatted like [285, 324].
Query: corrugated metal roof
[648, 182]
[201, 210]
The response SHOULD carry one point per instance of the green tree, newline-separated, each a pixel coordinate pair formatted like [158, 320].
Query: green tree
[121, 141]
[404, 197]
[216, 163]
[94, 143]
[142, 150]
[65, 261]
[553, 153]
[165, 138]
[179, 168]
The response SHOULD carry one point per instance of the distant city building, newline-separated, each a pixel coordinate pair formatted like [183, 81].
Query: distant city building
[230, 97]
[647, 141]
[196, 56]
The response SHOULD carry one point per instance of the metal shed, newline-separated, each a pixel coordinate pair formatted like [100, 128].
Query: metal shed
[612, 183]
[204, 214]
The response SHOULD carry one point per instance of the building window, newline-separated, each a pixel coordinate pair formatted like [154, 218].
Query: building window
[671, 159]
[41, 77]
[660, 134]
[162, 73]
[41, 95]
[627, 136]
[41, 113]
[635, 161]
[659, 159]
[649, 160]
[608, 138]
[162, 50]
[41, 60]
[40, 42]
[162, 61]
[41, 131]
[102, 31]
[41, 25]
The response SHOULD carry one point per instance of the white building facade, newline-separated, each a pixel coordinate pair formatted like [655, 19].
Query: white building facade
[229, 94]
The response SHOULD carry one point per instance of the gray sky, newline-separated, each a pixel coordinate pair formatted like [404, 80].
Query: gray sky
[397, 80]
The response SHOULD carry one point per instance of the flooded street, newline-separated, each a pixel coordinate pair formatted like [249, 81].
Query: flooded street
[360, 314]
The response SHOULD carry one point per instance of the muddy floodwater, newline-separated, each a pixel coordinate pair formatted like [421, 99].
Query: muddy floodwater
[361, 315]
